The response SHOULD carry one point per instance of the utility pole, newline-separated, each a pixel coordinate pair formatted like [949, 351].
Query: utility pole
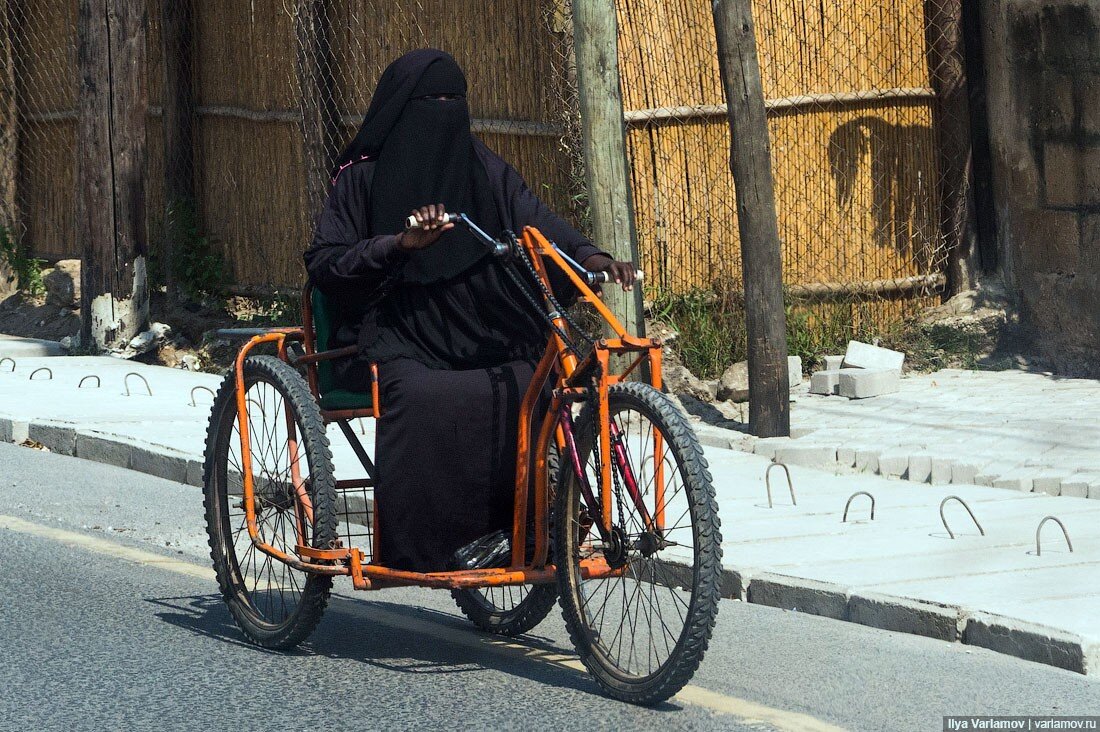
[762, 265]
[596, 45]
[179, 117]
[111, 166]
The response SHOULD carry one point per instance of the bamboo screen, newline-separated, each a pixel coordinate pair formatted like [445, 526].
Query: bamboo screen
[849, 95]
[848, 84]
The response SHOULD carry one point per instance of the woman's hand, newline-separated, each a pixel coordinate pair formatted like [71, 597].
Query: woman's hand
[625, 273]
[432, 226]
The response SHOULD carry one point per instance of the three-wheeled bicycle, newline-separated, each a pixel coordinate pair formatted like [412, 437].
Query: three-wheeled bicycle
[625, 524]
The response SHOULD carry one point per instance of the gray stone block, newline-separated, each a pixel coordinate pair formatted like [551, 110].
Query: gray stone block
[893, 464]
[867, 383]
[795, 593]
[833, 363]
[1032, 642]
[904, 615]
[866, 356]
[867, 461]
[1016, 480]
[1048, 482]
[160, 464]
[194, 473]
[964, 473]
[15, 347]
[846, 456]
[810, 456]
[1076, 486]
[103, 450]
[941, 471]
[920, 468]
[825, 382]
[794, 371]
[767, 446]
[58, 438]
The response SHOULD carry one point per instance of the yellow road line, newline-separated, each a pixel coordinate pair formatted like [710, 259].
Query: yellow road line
[744, 710]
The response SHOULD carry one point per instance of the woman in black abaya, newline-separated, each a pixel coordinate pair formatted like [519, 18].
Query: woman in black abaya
[455, 343]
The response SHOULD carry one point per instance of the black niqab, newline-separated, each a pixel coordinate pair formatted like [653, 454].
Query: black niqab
[425, 155]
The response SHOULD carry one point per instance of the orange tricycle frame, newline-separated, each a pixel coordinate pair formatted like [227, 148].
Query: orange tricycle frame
[571, 380]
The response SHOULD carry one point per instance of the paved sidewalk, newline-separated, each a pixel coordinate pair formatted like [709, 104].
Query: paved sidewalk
[1008, 429]
[901, 571]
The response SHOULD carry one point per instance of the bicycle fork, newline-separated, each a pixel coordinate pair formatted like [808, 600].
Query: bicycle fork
[620, 461]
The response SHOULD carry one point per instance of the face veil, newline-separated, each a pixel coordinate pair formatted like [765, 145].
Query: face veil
[425, 155]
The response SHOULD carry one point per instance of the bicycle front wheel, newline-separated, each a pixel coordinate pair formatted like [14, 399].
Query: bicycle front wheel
[641, 634]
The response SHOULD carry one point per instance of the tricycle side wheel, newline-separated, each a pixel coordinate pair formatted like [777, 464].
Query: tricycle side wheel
[275, 605]
[641, 634]
[512, 609]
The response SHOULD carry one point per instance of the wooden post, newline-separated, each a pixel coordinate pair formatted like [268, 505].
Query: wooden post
[320, 117]
[9, 144]
[943, 21]
[750, 162]
[596, 46]
[178, 119]
[111, 163]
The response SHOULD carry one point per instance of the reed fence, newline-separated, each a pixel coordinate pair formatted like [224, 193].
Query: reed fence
[863, 96]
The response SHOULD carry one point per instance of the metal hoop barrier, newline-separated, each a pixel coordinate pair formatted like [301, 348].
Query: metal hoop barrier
[964, 505]
[8, 358]
[126, 382]
[1055, 519]
[768, 483]
[98, 383]
[38, 370]
[852, 498]
[206, 389]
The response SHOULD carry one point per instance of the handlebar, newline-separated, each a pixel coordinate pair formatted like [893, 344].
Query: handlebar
[592, 278]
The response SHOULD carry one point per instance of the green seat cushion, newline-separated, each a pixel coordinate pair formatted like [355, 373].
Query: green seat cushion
[344, 399]
[332, 397]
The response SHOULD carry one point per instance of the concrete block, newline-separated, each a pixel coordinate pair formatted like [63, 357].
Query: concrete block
[867, 461]
[1032, 642]
[767, 446]
[866, 383]
[795, 593]
[15, 347]
[103, 450]
[159, 463]
[941, 471]
[810, 456]
[1049, 482]
[866, 356]
[194, 473]
[919, 469]
[964, 473]
[893, 463]
[1017, 480]
[846, 456]
[1077, 485]
[794, 371]
[58, 438]
[904, 615]
[834, 363]
[825, 382]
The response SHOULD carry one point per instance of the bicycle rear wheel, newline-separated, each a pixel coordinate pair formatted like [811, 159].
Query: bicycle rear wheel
[643, 633]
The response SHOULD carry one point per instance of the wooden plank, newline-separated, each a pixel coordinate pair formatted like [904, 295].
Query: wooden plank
[111, 159]
[595, 36]
[320, 118]
[750, 163]
[178, 120]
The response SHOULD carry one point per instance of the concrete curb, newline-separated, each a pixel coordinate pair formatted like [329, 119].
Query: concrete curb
[1004, 635]
[913, 464]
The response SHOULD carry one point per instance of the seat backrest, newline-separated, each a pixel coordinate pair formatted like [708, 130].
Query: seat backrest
[322, 336]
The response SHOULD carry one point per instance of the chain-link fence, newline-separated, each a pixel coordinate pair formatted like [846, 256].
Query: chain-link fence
[249, 102]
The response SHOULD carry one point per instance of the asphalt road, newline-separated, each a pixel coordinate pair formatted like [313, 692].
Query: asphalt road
[110, 619]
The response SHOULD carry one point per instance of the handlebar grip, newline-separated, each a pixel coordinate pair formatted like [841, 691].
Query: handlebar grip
[601, 278]
[412, 223]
